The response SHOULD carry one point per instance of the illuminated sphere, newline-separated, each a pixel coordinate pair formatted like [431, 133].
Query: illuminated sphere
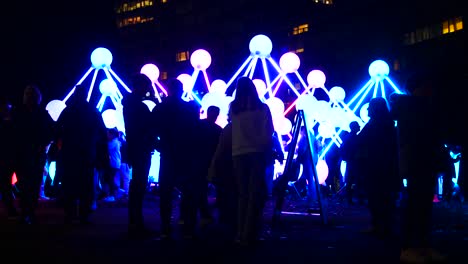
[261, 45]
[364, 113]
[289, 62]
[55, 108]
[326, 129]
[283, 126]
[218, 86]
[379, 68]
[109, 117]
[107, 87]
[337, 93]
[151, 71]
[200, 59]
[261, 87]
[322, 171]
[186, 82]
[316, 79]
[101, 58]
[276, 107]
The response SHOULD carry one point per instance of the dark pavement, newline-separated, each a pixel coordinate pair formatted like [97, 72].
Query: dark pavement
[300, 238]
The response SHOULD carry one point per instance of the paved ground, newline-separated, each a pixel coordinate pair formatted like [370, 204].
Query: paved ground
[300, 239]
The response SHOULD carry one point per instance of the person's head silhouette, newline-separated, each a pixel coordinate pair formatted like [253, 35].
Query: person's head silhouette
[141, 85]
[354, 126]
[32, 96]
[378, 108]
[212, 113]
[175, 88]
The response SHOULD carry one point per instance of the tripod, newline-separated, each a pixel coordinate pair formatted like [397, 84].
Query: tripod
[289, 171]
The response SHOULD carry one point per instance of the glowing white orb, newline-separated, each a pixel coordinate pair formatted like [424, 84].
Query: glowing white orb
[55, 108]
[215, 99]
[261, 87]
[276, 107]
[151, 71]
[337, 94]
[260, 45]
[364, 113]
[326, 129]
[316, 79]
[289, 62]
[218, 86]
[322, 171]
[101, 58]
[150, 104]
[379, 68]
[109, 117]
[306, 102]
[186, 81]
[283, 125]
[200, 59]
[107, 87]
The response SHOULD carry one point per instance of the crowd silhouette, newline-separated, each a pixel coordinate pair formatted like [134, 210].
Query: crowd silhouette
[94, 162]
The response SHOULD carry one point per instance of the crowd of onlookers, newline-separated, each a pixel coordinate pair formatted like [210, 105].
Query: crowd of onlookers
[98, 163]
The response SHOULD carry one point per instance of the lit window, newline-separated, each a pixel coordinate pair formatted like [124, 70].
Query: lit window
[458, 23]
[300, 29]
[182, 56]
[163, 75]
[163, 1]
[300, 50]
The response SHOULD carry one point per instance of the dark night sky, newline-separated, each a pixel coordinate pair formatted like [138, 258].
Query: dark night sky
[49, 43]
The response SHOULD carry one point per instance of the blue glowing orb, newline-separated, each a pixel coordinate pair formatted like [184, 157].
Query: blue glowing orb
[107, 87]
[379, 68]
[101, 58]
[260, 45]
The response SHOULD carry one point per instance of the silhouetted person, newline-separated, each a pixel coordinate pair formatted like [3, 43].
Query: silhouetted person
[208, 141]
[349, 152]
[80, 129]
[221, 175]
[7, 153]
[252, 145]
[305, 158]
[176, 122]
[378, 142]
[140, 146]
[34, 132]
[420, 142]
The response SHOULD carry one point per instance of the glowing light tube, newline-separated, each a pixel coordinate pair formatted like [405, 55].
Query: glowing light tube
[304, 85]
[156, 93]
[286, 79]
[110, 78]
[393, 85]
[119, 80]
[162, 88]
[382, 90]
[239, 71]
[362, 90]
[267, 75]
[207, 81]
[79, 82]
[362, 98]
[90, 91]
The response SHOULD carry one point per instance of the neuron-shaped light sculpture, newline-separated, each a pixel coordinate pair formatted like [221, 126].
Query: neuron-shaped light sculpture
[260, 48]
[378, 71]
[152, 72]
[200, 60]
[101, 59]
